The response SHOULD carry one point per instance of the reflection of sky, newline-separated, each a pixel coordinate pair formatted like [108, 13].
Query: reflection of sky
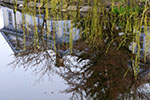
[19, 84]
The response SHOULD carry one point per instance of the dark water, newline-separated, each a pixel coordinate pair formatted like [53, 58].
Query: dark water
[21, 84]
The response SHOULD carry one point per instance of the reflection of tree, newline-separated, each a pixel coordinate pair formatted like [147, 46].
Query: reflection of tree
[108, 75]
[104, 80]
[39, 59]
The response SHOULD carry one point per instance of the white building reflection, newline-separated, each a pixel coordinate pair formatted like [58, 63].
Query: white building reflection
[13, 25]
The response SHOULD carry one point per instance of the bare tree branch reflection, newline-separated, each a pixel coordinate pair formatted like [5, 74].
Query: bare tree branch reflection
[42, 61]
[104, 79]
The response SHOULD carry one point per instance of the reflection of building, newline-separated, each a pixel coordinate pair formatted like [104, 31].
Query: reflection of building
[12, 25]
[143, 42]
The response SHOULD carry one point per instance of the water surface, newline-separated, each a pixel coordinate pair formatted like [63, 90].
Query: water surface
[21, 84]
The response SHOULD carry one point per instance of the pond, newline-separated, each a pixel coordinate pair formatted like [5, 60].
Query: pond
[48, 57]
[22, 84]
